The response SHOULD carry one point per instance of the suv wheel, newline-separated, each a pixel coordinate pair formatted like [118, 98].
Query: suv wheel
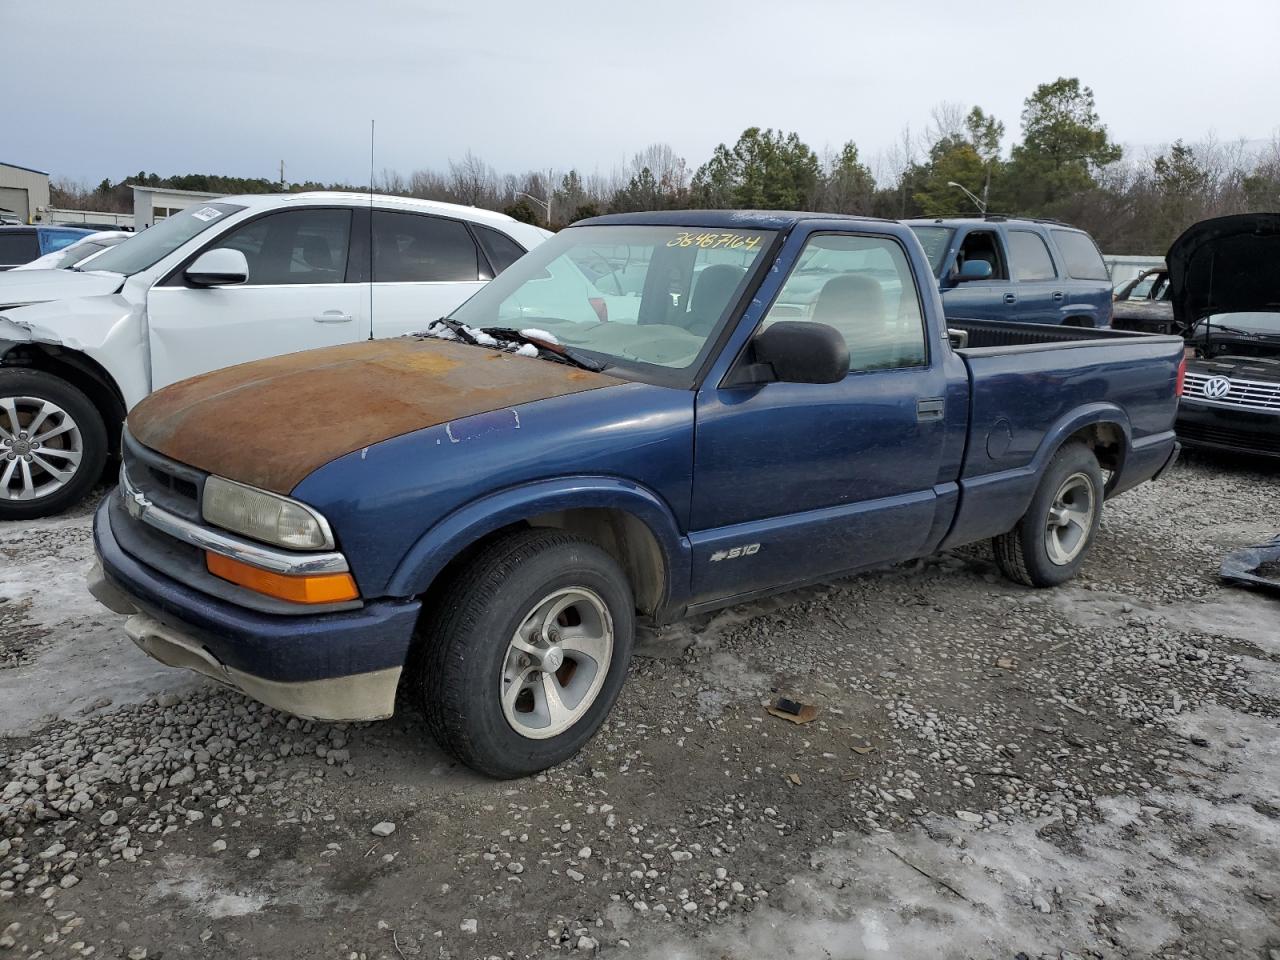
[53, 444]
[526, 652]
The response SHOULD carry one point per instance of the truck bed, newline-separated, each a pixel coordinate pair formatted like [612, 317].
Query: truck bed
[988, 337]
[1033, 386]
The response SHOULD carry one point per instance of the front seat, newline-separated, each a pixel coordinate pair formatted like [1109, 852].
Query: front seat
[711, 294]
[316, 254]
[853, 304]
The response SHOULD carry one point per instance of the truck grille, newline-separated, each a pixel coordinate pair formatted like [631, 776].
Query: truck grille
[1254, 394]
[171, 485]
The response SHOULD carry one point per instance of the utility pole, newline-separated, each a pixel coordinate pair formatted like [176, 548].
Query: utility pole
[282, 185]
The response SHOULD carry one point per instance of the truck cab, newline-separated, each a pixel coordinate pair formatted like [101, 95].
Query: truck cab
[1024, 271]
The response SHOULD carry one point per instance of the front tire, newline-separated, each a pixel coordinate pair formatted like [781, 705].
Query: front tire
[53, 444]
[526, 652]
[1050, 542]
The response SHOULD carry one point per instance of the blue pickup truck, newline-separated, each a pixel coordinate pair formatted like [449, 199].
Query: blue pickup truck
[1026, 271]
[479, 514]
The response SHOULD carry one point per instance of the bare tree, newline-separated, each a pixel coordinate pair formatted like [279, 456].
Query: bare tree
[473, 181]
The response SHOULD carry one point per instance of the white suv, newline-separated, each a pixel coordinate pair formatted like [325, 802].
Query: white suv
[223, 282]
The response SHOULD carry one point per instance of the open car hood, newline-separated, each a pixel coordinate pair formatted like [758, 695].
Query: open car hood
[272, 422]
[1225, 265]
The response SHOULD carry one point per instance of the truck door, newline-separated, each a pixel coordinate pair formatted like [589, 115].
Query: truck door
[1041, 293]
[991, 299]
[296, 298]
[796, 481]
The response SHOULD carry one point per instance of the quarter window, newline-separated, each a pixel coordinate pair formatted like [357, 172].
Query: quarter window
[501, 250]
[1030, 256]
[1080, 255]
[864, 288]
[296, 246]
[408, 247]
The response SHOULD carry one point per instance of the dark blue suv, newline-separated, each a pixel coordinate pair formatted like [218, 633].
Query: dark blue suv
[1029, 271]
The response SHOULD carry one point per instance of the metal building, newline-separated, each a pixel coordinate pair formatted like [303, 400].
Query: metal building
[24, 193]
[153, 204]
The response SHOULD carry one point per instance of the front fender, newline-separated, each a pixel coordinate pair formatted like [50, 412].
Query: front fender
[434, 550]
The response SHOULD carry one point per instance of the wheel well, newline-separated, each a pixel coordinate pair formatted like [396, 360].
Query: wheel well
[1079, 320]
[82, 372]
[1106, 440]
[620, 534]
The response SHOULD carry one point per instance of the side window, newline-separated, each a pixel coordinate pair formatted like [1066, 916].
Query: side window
[296, 246]
[1030, 256]
[410, 247]
[983, 245]
[55, 240]
[1081, 256]
[864, 288]
[18, 246]
[501, 250]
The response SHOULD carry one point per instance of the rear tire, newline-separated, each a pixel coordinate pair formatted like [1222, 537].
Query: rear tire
[525, 653]
[46, 470]
[1050, 542]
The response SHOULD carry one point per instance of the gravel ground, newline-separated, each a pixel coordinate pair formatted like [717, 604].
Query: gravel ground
[995, 772]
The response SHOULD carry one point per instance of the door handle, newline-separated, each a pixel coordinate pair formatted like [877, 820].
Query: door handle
[930, 408]
[333, 316]
[1057, 295]
[1010, 298]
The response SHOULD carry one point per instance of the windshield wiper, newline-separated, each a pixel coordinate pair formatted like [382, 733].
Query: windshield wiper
[558, 351]
[460, 330]
[1229, 329]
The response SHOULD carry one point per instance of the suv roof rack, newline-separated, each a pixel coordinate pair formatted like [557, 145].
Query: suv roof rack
[1003, 217]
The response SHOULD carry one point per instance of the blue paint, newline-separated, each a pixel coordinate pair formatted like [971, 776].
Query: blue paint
[482, 425]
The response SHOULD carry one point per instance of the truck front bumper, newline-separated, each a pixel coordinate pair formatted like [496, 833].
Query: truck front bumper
[334, 666]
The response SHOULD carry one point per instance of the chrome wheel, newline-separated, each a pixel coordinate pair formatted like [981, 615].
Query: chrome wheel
[556, 663]
[40, 448]
[1070, 519]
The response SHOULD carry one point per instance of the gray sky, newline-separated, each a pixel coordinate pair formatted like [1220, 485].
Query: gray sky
[94, 89]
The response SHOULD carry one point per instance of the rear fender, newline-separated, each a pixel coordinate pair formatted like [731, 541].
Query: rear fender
[445, 541]
[991, 504]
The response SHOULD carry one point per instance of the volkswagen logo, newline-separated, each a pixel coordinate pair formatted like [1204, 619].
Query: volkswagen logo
[1215, 388]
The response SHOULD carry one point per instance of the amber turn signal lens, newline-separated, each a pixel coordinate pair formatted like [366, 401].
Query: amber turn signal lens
[315, 588]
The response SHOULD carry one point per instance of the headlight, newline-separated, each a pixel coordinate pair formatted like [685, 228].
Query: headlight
[264, 516]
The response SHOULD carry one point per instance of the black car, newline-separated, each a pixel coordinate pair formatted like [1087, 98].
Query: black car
[1143, 304]
[1225, 289]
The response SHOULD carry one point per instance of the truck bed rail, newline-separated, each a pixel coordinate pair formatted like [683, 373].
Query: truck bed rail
[979, 337]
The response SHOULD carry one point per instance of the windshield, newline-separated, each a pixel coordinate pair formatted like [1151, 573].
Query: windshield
[152, 245]
[936, 241]
[642, 297]
[1267, 324]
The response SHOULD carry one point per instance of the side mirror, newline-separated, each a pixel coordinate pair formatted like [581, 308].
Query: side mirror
[218, 268]
[796, 351]
[974, 270]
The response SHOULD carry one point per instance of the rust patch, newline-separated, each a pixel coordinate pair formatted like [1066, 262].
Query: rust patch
[272, 422]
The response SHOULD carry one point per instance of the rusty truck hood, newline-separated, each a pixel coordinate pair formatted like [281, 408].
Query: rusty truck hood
[272, 422]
